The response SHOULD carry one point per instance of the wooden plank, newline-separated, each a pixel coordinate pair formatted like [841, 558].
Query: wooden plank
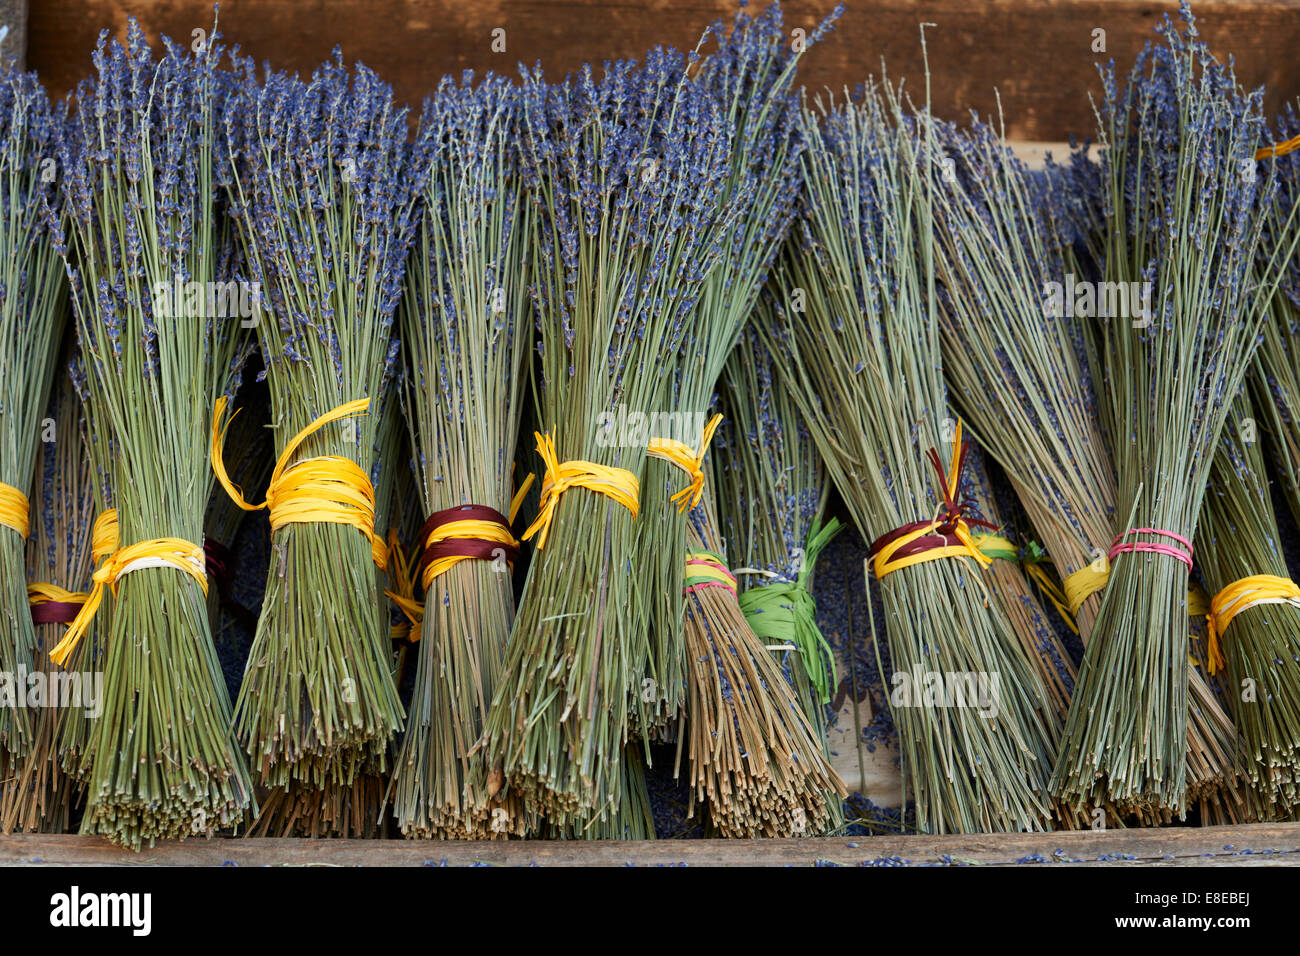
[1038, 53]
[1268, 844]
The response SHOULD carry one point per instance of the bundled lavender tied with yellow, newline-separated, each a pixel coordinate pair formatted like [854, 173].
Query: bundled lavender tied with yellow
[625, 176]
[143, 240]
[317, 188]
[32, 313]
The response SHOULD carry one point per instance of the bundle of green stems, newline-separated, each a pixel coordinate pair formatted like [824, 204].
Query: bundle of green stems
[625, 179]
[771, 499]
[33, 310]
[1181, 238]
[857, 340]
[317, 183]
[466, 335]
[144, 233]
[36, 794]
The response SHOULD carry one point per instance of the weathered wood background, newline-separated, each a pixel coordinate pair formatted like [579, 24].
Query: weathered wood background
[1037, 53]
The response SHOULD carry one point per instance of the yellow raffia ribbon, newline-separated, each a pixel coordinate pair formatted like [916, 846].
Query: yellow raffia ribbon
[689, 460]
[42, 592]
[883, 563]
[1084, 583]
[154, 553]
[616, 483]
[1238, 596]
[327, 489]
[402, 592]
[15, 510]
[104, 536]
[1281, 149]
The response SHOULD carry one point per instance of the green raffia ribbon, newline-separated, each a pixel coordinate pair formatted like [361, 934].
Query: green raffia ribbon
[785, 611]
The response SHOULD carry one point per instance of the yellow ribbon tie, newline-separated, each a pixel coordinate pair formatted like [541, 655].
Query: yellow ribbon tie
[15, 510]
[1084, 583]
[1237, 597]
[1281, 149]
[154, 553]
[104, 536]
[616, 483]
[403, 592]
[327, 489]
[689, 460]
[42, 592]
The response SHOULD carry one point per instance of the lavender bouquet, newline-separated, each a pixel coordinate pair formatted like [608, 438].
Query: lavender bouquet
[32, 314]
[770, 503]
[1181, 218]
[857, 341]
[38, 795]
[466, 338]
[145, 227]
[317, 188]
[625, 177]
[751, 75]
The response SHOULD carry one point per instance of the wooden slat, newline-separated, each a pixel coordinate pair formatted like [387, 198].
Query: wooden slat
[1038, 53]
[1207, 846]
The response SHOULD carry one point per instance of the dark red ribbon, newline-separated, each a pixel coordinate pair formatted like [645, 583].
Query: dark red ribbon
[55, 612]
[463, 547]
[951, 511]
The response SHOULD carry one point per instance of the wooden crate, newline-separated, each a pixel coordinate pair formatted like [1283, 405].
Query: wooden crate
[1272, 844]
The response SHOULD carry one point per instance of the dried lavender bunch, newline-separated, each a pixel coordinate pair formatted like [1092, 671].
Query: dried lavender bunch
[145, 228]
[1276, 382]
[756, 763]
[32, 315]
[355, 809]
[1180, 209]
[317, 188]
[863, 363]
[465, 335]
[771, 499]
[625, 177]
[36, 794]
[1014, 358]
[752, 75]
[1238, 538]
